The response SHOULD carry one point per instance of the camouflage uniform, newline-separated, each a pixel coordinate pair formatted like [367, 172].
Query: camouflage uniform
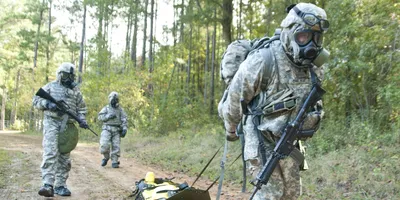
[114, 122]
[266, 75]
[56, 166]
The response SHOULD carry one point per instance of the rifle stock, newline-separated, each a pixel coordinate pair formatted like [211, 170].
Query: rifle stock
[61, 107]
[286, 142]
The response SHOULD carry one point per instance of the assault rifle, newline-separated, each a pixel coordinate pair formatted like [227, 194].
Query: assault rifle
[287, 141]
[61, 106]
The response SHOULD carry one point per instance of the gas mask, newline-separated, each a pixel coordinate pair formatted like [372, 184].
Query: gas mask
[302, 36]
[67, 79]
[115, 102]
[309, 42]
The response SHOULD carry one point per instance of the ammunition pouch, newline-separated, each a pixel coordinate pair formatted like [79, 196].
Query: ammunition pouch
[286, 105]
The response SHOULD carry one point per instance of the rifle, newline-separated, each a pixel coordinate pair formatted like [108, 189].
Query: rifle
[287, 141]
[60, 106]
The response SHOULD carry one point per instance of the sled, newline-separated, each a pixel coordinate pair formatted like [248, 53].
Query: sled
[151, 188]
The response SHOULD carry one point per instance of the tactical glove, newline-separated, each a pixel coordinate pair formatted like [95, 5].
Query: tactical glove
[50, 106]
[123, 133]
[83, 124]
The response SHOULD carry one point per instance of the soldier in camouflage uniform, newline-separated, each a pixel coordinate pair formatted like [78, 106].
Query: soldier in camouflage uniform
[56, 165]
[275, 80]
[114, 127]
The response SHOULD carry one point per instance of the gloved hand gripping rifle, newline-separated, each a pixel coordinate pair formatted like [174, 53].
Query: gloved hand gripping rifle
[60, 106]
[290, 134]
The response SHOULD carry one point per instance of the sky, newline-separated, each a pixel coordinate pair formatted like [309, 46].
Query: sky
[118, 32]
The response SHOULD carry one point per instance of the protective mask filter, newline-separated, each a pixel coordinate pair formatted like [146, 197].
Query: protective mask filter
[321, 58]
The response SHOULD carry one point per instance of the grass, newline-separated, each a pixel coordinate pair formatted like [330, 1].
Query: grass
[186, 151]
[365, 172]
[5, 161]
[351, 170]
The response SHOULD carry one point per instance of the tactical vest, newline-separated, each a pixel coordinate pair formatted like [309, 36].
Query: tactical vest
[116, 121]
[283, 93]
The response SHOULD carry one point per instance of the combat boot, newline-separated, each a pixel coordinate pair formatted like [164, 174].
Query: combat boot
[115, 165]
[46, 190]
[62, 191]
[104, 162]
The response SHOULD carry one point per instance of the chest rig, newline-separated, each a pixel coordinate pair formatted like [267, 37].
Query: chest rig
[117, 121]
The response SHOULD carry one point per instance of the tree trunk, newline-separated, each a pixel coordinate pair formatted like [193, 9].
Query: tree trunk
[48, 44]
[206, 64]
[239, 31]
[134, 38]
[100, 35]
[80, 69]
[37, 35]
[128, 30]
[250, 12]
[14, 109]
[227, 12]
[269, 17]
[151, 37]
[144, 34]
[189, 63]
[213, 64]
[3, 109]
[174, 26]
[182, 27]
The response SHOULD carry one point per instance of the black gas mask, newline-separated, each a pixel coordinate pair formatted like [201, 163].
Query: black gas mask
[310, 43]
[114, 102]
[67, 79]
[310, 40]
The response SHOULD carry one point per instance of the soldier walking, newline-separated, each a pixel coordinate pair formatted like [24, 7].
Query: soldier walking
[114, 127]
[59, 130]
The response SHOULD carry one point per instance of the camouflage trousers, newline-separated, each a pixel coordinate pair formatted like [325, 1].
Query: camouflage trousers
[110, 142]
[55, 165]
[284, 183]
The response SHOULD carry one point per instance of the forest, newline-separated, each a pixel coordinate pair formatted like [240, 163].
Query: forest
[168, 74]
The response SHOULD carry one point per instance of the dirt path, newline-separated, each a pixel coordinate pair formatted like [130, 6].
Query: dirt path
[87, 180]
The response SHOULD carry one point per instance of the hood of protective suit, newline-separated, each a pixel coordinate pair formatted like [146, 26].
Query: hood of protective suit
[293, 22]
[113, 99]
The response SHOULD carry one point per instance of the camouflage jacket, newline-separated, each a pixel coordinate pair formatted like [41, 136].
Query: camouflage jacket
[265, 75]
[72, 97]
[120, 120]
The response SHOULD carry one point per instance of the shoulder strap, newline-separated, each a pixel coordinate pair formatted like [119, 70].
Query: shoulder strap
[268, 68]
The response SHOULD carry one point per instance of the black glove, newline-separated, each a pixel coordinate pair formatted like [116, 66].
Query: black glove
[123, 133]
[83, 124]
[51, 106]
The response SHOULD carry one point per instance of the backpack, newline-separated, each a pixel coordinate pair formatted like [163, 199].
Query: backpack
[237, 52]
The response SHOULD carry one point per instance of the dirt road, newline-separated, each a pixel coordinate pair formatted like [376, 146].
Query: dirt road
[87, 180]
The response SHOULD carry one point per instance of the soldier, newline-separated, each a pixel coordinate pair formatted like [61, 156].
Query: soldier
[56, 161]
[268, 90]
[114, 127]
